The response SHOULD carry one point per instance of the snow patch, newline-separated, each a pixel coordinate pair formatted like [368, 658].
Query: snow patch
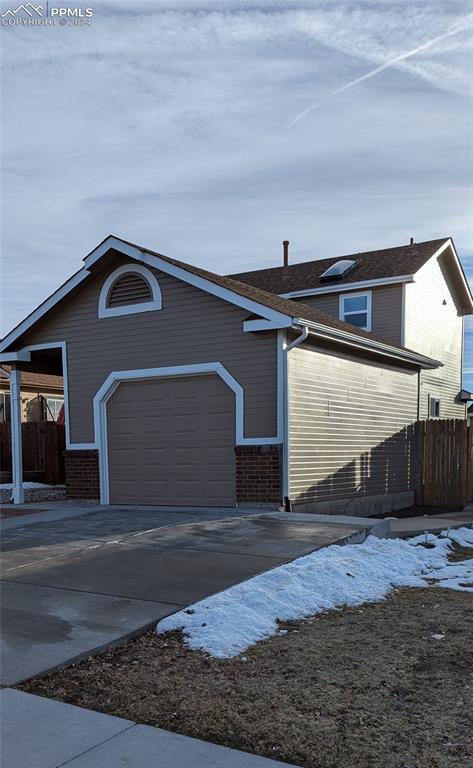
[461, 536]
[229, 622]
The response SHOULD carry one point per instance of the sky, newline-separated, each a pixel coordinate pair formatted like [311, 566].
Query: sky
[211, 131]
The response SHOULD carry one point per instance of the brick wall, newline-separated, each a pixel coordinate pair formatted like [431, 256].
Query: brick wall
[258, 473]
[82, 474]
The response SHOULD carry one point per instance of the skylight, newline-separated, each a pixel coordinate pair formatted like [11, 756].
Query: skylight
[338, 270]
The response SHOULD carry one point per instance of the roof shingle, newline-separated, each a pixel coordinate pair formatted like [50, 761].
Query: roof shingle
[371, 265]
[30, 379]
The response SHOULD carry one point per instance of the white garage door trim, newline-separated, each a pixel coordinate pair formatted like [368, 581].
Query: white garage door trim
[116, 377]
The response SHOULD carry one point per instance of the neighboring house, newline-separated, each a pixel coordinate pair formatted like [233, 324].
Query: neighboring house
[183, 387]
[41, 396]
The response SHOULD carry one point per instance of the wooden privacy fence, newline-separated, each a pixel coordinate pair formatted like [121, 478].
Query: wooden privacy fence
[445, 463]
[43, 447]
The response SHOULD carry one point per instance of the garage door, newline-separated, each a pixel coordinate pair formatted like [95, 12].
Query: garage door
[171, 442]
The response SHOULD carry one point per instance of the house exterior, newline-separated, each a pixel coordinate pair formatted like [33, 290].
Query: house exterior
[42, 396]
[183, 387]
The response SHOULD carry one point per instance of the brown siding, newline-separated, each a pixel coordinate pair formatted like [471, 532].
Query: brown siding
[172, 441]
[386, 309]
[434, 328]
[192, 327]
[350, 427]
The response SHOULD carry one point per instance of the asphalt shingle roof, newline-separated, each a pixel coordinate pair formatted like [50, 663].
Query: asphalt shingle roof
[31, 379]
[371, 265]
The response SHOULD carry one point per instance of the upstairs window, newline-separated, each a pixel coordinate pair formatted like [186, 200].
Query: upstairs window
[128, 290]
[355, 308]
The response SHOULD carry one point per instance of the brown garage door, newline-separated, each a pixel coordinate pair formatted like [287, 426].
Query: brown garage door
[171, 441]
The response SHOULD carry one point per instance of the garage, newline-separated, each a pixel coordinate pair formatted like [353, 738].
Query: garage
[171, 442]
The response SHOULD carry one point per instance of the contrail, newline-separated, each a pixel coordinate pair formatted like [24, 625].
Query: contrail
[373, 72]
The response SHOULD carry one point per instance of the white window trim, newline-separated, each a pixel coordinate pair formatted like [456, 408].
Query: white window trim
[130, 309]
[342, 314]
[431, 399]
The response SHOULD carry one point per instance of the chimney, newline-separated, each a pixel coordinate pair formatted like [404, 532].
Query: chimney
[285, 247]
[412, 241]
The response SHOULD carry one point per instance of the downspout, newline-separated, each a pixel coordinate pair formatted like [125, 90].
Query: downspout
[286, 457]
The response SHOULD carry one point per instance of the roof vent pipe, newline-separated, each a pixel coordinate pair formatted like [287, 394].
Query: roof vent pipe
[285, 248]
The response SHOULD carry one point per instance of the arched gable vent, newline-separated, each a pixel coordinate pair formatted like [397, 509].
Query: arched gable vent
[128, 290]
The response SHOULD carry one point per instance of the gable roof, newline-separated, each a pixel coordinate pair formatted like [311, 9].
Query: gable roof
[260, 302]
[401, 261]
[291, 309]
[279, 304]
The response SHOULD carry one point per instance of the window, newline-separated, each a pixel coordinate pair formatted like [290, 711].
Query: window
[355, 308]
[52, 406]
[4, 407]
[129, 289]
[434, 407]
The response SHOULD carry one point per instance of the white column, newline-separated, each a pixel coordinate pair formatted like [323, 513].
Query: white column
[16, 437]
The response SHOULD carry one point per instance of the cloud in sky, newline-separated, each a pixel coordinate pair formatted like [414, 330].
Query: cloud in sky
[165, 123]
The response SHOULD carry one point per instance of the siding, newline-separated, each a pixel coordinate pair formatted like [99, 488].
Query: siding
[386, 309]
[435, 329]
[192, 327]
[350, 426]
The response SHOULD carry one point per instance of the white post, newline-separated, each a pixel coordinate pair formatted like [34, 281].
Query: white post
[16, 441]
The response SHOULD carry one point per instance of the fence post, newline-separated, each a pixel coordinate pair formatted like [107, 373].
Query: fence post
[420, 463]
[469, 454]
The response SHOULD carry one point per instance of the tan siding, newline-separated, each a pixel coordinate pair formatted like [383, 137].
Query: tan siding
[192, 327]
[435, 329]
[386, 309]
[350, 427]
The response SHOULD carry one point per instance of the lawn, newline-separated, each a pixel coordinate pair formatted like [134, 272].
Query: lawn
[384, 684]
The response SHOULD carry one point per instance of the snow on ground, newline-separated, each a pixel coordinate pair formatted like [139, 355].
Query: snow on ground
[463, 536]
[26, 485]
[227, 623]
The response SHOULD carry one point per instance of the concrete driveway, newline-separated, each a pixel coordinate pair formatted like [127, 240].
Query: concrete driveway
[74, 580]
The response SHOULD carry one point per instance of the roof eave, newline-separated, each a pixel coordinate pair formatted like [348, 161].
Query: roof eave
[467, 295]
[368, 345]
[338, 286]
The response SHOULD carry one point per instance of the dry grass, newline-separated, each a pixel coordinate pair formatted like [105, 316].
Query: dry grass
[358, 688]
